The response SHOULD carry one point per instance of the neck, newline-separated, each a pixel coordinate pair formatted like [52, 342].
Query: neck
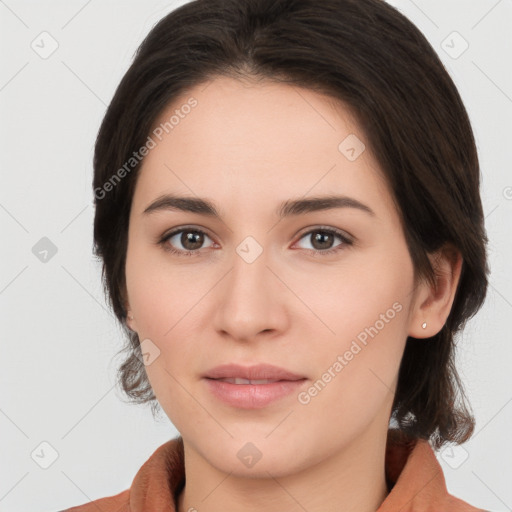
[352, 479]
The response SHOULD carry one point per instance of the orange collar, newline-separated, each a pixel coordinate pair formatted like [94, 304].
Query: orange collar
[414, 477]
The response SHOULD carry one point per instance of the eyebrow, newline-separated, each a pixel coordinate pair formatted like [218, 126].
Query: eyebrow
[286, 209]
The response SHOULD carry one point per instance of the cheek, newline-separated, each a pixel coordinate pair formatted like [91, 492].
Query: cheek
[164, 300]
[356, 374]
[366, 311]
[363, 292]
[159, 293]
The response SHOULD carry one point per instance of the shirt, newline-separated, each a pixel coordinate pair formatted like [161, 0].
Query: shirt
[414, 479]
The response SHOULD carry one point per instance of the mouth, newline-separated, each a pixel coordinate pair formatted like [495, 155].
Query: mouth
[237, 380]
[259, 372]
[252, 387]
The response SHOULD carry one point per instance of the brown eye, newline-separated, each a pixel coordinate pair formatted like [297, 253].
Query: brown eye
[323, 240]
[191, 240]
[185, 241]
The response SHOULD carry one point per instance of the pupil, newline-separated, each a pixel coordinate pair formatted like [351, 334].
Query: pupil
[193, 238]
[319, 237]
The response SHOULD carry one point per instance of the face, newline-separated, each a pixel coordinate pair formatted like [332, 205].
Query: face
[324, 292]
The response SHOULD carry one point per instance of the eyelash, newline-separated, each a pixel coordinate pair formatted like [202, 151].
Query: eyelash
[316, 252]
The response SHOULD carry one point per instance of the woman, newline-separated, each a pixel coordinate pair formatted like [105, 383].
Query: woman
[288, 214]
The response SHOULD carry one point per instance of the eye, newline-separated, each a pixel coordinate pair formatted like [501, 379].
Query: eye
[323, 238]
[191, 239]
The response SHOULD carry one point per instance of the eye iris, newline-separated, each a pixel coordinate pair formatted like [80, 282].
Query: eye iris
[321, 236]
[193, 237]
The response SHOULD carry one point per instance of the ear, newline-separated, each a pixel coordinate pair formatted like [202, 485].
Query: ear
[130, 321]
[434, 302]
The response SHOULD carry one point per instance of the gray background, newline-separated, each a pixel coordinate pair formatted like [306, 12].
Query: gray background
[58, 337]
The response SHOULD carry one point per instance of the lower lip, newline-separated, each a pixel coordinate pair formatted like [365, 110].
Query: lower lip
[252, 396]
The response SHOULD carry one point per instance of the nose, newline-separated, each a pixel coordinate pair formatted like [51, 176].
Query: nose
[251, 301]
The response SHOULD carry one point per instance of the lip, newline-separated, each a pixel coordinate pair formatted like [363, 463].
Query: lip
[252, 396]
[255, 372]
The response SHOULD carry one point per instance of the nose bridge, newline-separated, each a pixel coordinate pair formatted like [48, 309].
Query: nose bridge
[250, 301]
[249, 278]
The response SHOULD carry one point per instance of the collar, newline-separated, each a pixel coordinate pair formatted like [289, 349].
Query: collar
[413, 475]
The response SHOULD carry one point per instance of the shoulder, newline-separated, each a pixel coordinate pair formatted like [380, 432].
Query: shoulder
[416, 478]
[454, 504]
[153, 487]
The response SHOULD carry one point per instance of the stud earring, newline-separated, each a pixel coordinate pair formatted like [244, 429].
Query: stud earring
[424, 325]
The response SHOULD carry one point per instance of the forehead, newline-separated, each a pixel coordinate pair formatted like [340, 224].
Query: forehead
[261, 139]
[230, 112]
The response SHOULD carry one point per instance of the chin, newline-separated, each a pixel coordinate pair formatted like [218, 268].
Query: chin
[257, 456]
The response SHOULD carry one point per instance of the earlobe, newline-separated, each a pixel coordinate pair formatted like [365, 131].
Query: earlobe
[130, 321]
[435, 301]
[129, 317]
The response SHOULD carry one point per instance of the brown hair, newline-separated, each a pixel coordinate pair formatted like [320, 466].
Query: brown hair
[369, 56]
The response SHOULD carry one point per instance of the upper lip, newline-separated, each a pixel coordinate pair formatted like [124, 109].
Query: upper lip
[256, 372]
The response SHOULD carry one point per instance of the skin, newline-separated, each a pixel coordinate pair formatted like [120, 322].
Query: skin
[247, 147]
